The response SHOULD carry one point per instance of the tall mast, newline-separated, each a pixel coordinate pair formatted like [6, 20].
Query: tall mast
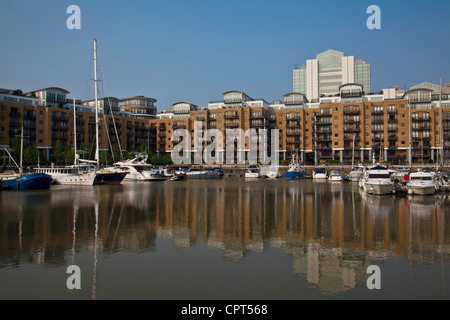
[441, 129]
[410, 137]
[75, 132]
[96, 105]
[21, 153]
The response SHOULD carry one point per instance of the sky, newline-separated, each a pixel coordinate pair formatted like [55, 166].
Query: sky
[195, 50]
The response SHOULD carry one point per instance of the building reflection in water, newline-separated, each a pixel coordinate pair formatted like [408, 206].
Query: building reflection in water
[332, 232]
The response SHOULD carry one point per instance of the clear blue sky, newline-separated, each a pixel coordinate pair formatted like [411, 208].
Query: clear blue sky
[194, 50]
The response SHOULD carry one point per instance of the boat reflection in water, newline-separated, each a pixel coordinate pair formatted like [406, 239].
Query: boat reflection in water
[197, 240]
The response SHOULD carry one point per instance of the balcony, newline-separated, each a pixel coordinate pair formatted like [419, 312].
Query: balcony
[231, 116]
[351, 112]
[179, 126]
[350, 138]
[293, 124]
[322, 115]
[324, 123]
[349, 130]
[231, 125]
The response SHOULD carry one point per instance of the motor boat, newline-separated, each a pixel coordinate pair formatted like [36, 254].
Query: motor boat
[422, 183]
[320, 173]
[356, 173]
[335, 176]
[378, 181]
[253, 171]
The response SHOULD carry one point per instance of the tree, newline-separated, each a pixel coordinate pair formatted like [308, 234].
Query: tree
[86, 146]
[16, 148]
[68, 155]
[58, 152]
[167, 159]
[17, 92]
[155, 159]
[31, 155]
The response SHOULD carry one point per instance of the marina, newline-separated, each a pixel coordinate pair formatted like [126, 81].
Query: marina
[229, 238]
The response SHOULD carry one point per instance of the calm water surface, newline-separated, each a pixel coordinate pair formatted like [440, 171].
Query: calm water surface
[223, 239]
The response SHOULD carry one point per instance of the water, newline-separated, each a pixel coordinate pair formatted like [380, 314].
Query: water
[223, 239]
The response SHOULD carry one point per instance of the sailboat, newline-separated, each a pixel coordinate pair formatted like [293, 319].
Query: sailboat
[102, 176]
[71, 175]
[29, 181]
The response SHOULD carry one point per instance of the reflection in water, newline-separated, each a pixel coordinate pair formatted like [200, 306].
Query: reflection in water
[331, 232]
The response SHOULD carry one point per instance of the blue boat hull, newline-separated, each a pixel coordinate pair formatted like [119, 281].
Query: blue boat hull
[29, 182]
[294, 175]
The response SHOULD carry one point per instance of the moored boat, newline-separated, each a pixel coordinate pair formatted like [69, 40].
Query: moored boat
[295, 171]
[422, 183]
[109, 177]
[253, 171]
[320, 173]
[356, 173]
[378, 181]
[335, 176]
[30, 181]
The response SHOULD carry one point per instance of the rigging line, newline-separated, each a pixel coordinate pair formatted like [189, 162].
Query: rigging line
[104, 119]
[109, 140]
[110, 109]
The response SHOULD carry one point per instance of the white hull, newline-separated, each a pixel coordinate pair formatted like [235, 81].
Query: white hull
[252, 175]
[335, 179]
[83, 179]
[422, 183]
[422, 190]
[69, 176]
[378, 188]
[319, 176]
[354, 177]
[273, 175]
[135, 176]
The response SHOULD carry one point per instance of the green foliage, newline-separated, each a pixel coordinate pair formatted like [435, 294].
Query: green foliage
[58, 152]
[31, 155]
[16, 149]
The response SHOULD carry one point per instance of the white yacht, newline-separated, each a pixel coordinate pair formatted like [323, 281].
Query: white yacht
[335, 176]
[320, 173]
[138, 169]
[253, 171]
[422, 183]
[378, 181]
[356, 173]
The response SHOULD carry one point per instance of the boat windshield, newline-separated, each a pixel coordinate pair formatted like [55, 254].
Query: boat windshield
[379, 176]
[422, 178]
[319, 170]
